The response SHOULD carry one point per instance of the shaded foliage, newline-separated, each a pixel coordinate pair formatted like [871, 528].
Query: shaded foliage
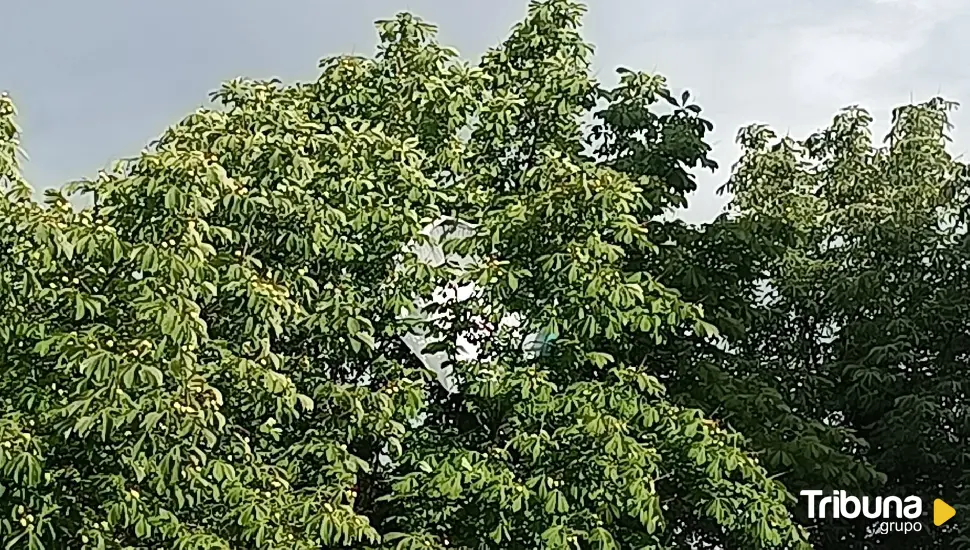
[864, 326]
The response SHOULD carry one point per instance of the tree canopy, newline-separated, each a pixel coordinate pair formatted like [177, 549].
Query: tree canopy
[216, 353]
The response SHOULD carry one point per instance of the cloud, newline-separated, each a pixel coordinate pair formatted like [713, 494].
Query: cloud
[832, 65]
[847, 58]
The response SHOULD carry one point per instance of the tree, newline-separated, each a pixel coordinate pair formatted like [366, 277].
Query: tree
[211, 356]
[863, 325]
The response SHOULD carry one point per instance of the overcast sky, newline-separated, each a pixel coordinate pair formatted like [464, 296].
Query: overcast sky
[95, 80]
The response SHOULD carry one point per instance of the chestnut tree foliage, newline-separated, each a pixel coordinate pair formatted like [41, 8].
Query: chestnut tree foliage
[865, 326]
[210, 355]
[215, 353]
[838, 282]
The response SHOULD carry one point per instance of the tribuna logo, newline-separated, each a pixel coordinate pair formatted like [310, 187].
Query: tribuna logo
[841, 505]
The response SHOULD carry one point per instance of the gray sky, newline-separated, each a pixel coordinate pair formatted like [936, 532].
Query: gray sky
[98, 79]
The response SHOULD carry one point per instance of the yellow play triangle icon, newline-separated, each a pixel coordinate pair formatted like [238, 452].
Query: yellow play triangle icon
[942, 512]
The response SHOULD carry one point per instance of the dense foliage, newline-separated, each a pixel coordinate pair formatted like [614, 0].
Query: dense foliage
[217, 352]
[866, 323]
[838, 282]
